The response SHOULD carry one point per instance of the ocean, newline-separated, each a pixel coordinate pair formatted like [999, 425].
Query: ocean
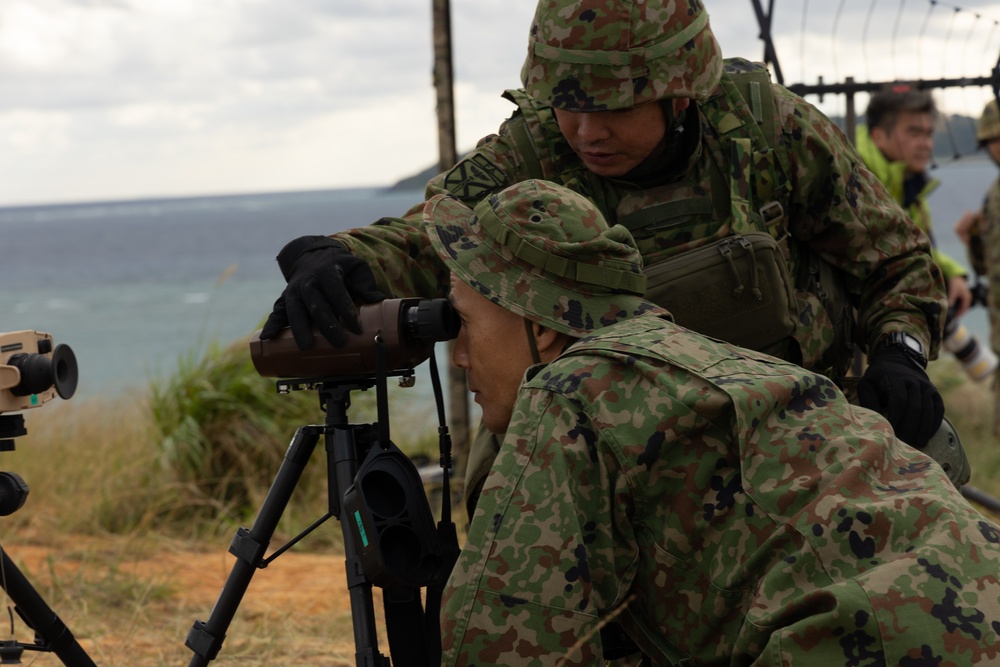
[133, 286]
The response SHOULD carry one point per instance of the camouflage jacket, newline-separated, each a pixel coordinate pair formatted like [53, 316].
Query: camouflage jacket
[835, 208]
[751, 516]
[991, 257]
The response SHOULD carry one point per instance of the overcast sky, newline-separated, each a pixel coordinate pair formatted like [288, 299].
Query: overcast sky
[121, 99]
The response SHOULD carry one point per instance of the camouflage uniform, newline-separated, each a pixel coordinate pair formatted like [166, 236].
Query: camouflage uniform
[724, 506]
[846, 246]
[991, 255]
[984, 246]
[835, 212]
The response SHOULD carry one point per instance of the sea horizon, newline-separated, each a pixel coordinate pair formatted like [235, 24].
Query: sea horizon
[134, 285]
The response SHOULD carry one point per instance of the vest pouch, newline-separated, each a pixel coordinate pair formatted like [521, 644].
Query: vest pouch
[737, 289]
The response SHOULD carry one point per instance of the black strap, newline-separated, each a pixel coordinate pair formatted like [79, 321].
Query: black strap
[414, 632]
[404, 621]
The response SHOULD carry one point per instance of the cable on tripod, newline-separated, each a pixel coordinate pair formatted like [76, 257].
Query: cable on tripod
[381, 391]
[446, 528]
[444, 438]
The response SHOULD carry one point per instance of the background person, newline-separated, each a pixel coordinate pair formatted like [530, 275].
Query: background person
[723, 506]
[897, 145]
[980, 230]
[631, 105]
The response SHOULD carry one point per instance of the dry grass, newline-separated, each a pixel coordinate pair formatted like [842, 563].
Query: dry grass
[98, 539]
[103, 540]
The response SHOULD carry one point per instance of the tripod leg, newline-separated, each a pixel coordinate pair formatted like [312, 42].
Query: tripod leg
[54, 636]
[249, 546]
[342, 466]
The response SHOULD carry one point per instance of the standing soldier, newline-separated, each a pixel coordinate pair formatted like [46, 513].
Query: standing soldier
[756, 219]
[980, 230]
[897, 145]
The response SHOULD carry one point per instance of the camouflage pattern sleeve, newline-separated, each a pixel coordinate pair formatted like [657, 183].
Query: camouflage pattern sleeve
[397, 248]
[724, 507]
[539, 564]
[843, 212]
[976, 250]
[991, 256]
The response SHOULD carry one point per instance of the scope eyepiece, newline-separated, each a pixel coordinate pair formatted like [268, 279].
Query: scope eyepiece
[39, 372]
[430, 321]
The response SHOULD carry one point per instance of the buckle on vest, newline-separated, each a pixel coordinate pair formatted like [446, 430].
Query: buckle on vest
[772, 213]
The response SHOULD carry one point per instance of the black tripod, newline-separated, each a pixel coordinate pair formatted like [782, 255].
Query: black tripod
[345, 444]
[51, 634]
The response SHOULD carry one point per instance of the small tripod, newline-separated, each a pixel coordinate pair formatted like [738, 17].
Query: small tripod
[345, 447]
[51, 634]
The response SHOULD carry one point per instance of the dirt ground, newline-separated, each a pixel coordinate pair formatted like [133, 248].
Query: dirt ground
[131, 602]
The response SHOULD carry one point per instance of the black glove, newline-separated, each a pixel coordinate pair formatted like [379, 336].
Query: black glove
[900, 391]
[323, 280]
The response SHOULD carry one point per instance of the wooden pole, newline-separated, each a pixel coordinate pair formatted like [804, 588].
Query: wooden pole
[850, 115]
[458, 395]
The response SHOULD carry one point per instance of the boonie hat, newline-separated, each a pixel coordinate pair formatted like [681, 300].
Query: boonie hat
[543, 252]
[597, 55]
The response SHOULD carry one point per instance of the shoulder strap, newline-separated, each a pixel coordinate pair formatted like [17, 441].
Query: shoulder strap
[749, 115]
[753, 82]
[536, 134]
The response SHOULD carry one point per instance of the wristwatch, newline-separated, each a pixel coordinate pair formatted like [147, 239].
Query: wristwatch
[908, 344]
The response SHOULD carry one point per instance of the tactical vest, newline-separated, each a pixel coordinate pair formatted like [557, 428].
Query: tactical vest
[715, 242]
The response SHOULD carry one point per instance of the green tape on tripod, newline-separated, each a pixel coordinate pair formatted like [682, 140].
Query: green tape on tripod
[361, 528]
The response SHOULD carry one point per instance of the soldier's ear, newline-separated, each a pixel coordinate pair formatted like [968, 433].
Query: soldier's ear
[550, 343]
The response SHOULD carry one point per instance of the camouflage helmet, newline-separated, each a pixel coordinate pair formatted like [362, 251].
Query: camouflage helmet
[543, 252]
[597, 55]
[988, 127]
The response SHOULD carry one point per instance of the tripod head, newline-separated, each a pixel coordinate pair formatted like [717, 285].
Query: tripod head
[386, 505]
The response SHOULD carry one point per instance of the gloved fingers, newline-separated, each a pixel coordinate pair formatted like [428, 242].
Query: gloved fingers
[322, 308]
[918, 413]
[368, 295]
[298, 318]
[329, 326]
[873, 395]
[929, 421]
[937, 408]
[897, 402]
[340, 304]
[276, 321]
[917, 431]
[360, 281]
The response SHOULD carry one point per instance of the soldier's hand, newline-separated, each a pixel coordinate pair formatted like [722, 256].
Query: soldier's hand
[959, 296]
[324, 280]
[902, 393]
[967, 224]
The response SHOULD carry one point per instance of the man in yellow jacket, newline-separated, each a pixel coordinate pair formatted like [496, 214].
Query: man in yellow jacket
[897, 146]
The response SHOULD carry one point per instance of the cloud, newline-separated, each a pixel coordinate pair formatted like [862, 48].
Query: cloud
[111, 99]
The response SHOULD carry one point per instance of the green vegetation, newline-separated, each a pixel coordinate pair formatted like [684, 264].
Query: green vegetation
[134, 500]
[195, 456]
